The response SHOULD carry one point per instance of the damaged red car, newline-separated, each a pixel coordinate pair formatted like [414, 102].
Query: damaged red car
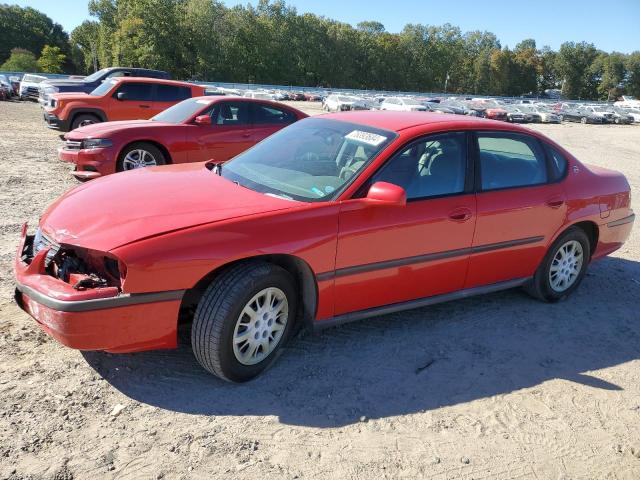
[333, 219]
[194, 130]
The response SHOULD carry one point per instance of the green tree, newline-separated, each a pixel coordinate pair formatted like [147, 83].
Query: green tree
[51, 60]
[85, 41]
[573, 63]
[28, 29]
[21, 60]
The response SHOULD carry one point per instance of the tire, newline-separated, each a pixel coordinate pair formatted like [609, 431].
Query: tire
[83, 120]
[541, 286]
[220, 318]
[142, 154]
[583, 120]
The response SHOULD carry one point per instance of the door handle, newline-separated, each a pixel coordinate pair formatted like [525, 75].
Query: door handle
[460, 214]
[144, 106]
[555, 202]
[246, 135]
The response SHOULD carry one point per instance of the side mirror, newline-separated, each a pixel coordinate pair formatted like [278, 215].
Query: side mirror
[383, 193]
[203, 120]
[121, 96]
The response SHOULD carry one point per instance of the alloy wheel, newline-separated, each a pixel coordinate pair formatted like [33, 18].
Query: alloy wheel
[260, 326]
[138, 159]
[566, 266]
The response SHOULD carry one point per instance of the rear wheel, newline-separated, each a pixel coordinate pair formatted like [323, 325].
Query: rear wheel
[583, 120]
[140, 155]
[243, 319]
[563, 268]
[83, 120]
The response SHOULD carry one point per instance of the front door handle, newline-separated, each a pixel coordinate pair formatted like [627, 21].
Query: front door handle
[144, 106]
[460, 214]
[246, 135]
[555, 202]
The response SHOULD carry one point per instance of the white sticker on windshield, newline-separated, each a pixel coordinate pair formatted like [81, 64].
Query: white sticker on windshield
[366, 137]
[203, 102]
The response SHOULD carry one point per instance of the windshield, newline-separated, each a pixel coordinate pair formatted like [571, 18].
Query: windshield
[96, 75]
[103, 88]
[181, 112]
[310, 161]
[32, 79]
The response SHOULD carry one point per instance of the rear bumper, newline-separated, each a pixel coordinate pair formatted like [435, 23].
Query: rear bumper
[53, 121]
[90, 163]
[95, 319]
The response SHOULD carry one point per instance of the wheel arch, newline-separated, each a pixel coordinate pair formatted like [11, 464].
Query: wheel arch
[589, 227]
[88, 111]
[592, 231]
[302, 273]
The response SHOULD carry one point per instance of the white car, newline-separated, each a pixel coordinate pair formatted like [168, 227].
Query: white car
[259, 95]
[402, 104]
[341, 103]
[30, 86]
[546, 116]
[628, 102]
[634, 112]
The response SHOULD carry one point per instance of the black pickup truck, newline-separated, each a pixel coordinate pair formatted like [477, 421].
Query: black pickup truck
[88, 84]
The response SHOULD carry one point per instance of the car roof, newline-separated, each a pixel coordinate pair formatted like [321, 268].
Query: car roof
[162, 81]
[397, 121]
[262, 101]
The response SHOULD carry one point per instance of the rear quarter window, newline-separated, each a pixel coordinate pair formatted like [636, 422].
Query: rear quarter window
[172, 93]
[559, 164]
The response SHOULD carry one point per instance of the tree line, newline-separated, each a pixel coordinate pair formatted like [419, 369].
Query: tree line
[271, 43]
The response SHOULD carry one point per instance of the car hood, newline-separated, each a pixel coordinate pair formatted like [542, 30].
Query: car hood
[119, 209]
[66, 83]
[103, 129]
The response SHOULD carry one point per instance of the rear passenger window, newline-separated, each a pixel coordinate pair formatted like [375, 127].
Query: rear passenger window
[171, 93]
[558, 163]
[135, 91]
[510, 160]
[263, 114]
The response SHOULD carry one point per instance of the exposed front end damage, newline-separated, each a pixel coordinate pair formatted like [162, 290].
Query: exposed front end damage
[75, 294]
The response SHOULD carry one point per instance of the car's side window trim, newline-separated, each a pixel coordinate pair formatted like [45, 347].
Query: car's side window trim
[506, 133]
[550, 162]
[469, 169]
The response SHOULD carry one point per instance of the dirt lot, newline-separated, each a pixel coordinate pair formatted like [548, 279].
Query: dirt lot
[499, 386]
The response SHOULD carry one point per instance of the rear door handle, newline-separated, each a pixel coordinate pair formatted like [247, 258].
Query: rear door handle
[144, 106]
[555, 202]
[246, 135]
[460, 214]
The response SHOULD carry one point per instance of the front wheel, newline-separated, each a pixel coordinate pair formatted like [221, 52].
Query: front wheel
[83, 120]
[563, 268]
[583, 120]
[243, 319]
[140, 155]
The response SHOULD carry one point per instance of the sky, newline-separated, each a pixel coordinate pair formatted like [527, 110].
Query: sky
[612, 25]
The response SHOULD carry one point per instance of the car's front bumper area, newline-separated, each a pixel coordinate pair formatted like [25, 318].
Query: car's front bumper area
[89, 163]
[53, 121]
[98, 318]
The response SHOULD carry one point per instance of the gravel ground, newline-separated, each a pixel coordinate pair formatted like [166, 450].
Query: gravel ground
[499, 386]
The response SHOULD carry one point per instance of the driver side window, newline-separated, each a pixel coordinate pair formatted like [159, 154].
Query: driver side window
[432, 167]
[231, 113]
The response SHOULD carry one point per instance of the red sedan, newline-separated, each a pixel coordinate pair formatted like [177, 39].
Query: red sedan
[333, 219]
[193, 130]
